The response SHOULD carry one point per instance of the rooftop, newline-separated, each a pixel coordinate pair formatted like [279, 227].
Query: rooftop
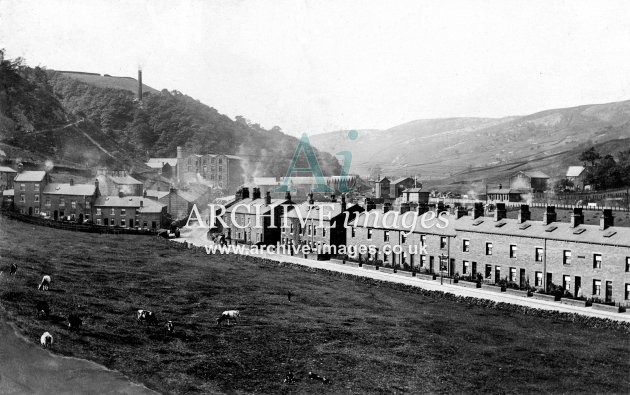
[248, 206]
[574, 171]
[148, 205]
[30, 176]
[67, 189]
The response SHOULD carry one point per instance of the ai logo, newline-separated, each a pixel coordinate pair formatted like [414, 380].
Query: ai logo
[315, 169]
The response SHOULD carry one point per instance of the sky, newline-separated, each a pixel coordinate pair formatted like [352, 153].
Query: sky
[319, 66]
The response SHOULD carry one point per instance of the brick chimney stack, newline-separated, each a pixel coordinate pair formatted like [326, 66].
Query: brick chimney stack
[461, 212]
[245, 193]
[500, 212]
[333, 198]
[423, 208]
[404, 207]
[606, 220]
[440, 208]
[369, 205]
[577, 218]
[268, 198]
[311, 200]
[550, 215]
[256, 193]
[524, 214]
[478, 210]
[287, 196]
[386, 207]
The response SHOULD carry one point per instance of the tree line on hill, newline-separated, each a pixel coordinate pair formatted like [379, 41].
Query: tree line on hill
[34, 99]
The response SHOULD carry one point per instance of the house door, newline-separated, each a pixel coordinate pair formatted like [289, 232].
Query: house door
[131, 223]
[105, 221]
[55, 215]
[431, 264]
[30, 211]
[578, 286]
[451, 269]
[608, 291]
[549, 280]
[497, 274]
[522, 281]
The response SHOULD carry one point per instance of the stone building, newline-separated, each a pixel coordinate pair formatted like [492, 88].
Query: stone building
[129, 212]
[219, 170]
[69, 201]
[28, 188]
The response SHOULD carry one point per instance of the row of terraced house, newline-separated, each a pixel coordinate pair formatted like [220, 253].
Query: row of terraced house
[592, 261]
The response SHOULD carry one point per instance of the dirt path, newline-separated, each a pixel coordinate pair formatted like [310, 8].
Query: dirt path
[26, 368]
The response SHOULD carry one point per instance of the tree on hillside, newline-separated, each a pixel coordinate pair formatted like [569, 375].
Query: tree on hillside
[562, 186]
[590, 156]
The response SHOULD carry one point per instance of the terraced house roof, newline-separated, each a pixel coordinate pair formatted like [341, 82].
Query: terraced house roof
[248, 206]
[148, 205]
[30, 176]
[314, 211]
[376, 219]
[560, 231]
[67, 189]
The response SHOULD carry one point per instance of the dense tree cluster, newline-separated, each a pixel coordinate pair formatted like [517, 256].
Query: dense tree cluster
[608, 171]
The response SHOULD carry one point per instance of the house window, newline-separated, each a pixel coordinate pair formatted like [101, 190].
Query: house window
[62, 202]
[628, 264]
[466, 246]
[73, 203]
[513, 274]
[22, 187]
[310, 230]
[35, 187]
[423, 239]
[189, 168]
[403, 238]
[385, 258]
[538, 281]
[123, 211]
[36, 198]
[220, 169]
[88, 205]
[597, 287]
[386, 235]
[488, 248]
[220, 161]
[465, 267]
[47, 204]
[597, 261]
[291, 229]
[212, 176]
[369, 233]
[22, 197]
[566, 258]
[205, 168]
[488, 271]
[123, 222]
[99, 221]
[220, 177]
[113, 222]
[353, 231]
[113, 212]
[423, 260]
[36, 210]
[539, 254]
[403, 258]
[627, 297]
[98, 211]
[324, 231]
[512, 251]
[442, 242]
[566, 282]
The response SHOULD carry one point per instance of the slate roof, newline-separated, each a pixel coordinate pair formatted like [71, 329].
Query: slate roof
[534, 174]
[508, 190]
[124, 180]
[6, 169]
[149, 206]
[314, 211]
[30, 176]
[376, 219]
[618, 236]
[67, 189]
[401, 179]
[240, 206]
[157, 163]
[574, 171]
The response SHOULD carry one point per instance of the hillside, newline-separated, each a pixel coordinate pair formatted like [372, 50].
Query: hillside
[88, 120]
[107, 81]
[482, 147]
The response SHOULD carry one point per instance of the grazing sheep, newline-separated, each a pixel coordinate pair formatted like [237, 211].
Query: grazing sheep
[146, 316]
[314, 376]
[42, 308]
[74, 322]
[45, 284]
[228, 315]
[170, 328]
[46, 340]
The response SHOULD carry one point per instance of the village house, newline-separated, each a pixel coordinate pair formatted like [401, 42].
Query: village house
[382, 188]
[166, 167]
[69, 201]
[267, 230]
[333, 231]
[577, 175]
[116, 182]
[534, 181]
[28, 188]
[397, 186]
[219, 170]
[7, 175]
[372, 228]
[129, 212]
[588, 260]
[178, 203]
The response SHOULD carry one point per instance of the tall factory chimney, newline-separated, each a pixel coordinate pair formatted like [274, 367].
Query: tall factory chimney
[140, 84]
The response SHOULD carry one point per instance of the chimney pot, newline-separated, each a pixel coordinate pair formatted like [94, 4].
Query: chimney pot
[245, 193]
[287, 196]
[386, 207]
[256, 193]
[461, 212]
[311, 200]
[268, 197]
[333, 198]
[423, 208]
[369, 204]
[577, 218]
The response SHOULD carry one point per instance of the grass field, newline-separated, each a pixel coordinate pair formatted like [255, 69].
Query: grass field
[365, 338]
